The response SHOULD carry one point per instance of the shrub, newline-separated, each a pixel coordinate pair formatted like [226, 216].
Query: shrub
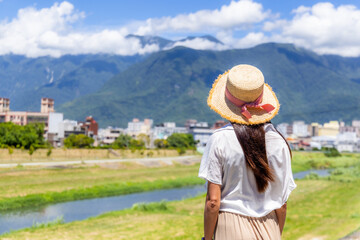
[78, 141]
[161, 143]
[181, 140]
[332, 152]
[181, 151]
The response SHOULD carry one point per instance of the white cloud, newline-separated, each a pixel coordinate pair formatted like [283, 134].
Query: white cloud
[251, 40]
[324, 28]
[200, 44]
[48, 31]
[237, 15]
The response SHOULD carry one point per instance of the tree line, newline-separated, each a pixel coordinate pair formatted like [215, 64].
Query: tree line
[178, 141]
[31, 137]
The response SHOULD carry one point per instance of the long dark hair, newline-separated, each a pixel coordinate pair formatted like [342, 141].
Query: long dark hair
[252, 141]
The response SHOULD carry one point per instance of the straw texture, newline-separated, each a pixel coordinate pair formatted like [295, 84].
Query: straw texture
[246, 88]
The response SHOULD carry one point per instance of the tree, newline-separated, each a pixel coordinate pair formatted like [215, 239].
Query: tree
[145, 138]
[161, 143]
[21, 136]
[11, 151]
[181, 140]
[31, 151]
[332, 152]
[123, 141]
[137, 144]
[78, 141]
[48, 153]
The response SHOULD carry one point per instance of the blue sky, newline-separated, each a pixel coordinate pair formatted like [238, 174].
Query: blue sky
[43, 27]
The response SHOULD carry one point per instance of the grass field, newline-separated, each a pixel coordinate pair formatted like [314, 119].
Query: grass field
[319, 208]
[26, 187]
[303, 161]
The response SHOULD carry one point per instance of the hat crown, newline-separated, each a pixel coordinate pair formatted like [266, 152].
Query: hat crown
[245, 82]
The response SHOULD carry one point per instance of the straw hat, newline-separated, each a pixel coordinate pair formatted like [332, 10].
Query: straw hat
[241, 95]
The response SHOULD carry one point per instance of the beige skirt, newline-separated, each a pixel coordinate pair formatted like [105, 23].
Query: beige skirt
[231, 226]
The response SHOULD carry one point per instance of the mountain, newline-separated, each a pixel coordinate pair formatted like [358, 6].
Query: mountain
[173, 85]
[148, 40]
[26, 80]
[165, 44]
[205, 37]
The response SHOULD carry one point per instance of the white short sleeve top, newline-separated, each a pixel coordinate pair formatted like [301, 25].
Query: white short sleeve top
[223, 163]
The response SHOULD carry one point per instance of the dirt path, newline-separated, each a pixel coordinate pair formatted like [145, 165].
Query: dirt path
[143, 161]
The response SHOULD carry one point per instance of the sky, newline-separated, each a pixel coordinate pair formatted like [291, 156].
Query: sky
[54, 28]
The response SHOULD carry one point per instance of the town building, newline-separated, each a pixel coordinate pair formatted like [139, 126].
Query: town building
[23, 117]
[201, 133]
[300, 129]
[54, 136]
[137, 127]
[285, 129]
[314, 129]
[90, 126]
[109, 135]
[325, 141]
[354, 127]
[4, 105]
[347, 142]
[219, 124]
[331, 128]
[166, 129]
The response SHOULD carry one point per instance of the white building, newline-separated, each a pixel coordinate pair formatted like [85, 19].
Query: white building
[55, 134]
[201, 133]
[284, 129]
[68, 127]
[137, 127]
[163, 131]
[347, 142]
[109, 135]
[300, 129]
[325, 141]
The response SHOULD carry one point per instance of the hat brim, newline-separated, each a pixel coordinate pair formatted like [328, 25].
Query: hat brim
[220, 104]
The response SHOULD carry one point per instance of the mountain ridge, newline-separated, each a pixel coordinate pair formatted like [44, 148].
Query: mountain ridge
[173, 85]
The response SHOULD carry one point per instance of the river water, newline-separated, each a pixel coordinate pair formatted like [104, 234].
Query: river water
[82, 209]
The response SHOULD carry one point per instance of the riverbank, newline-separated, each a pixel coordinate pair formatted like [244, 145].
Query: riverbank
[24, 187]
[20, 156]
[326, 209]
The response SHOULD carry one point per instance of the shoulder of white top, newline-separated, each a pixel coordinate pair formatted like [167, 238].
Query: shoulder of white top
[226, 127]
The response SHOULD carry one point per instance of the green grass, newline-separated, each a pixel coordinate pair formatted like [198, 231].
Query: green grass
[28, 187]
[303, 161]
[113, 189]
[323, 209]
[23, 181]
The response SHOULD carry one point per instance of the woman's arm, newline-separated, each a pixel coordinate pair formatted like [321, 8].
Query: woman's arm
[281, 215]
[211, 212]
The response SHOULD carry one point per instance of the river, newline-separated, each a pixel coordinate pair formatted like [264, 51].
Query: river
[82, 209]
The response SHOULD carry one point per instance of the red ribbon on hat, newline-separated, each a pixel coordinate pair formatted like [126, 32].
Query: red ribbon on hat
[244, 105]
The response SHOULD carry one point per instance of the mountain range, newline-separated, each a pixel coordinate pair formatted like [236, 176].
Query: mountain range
[173, 84]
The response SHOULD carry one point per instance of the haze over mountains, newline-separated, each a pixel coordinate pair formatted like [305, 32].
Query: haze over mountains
[173, 83]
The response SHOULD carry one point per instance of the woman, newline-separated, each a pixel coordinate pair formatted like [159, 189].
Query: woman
[247, 164]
